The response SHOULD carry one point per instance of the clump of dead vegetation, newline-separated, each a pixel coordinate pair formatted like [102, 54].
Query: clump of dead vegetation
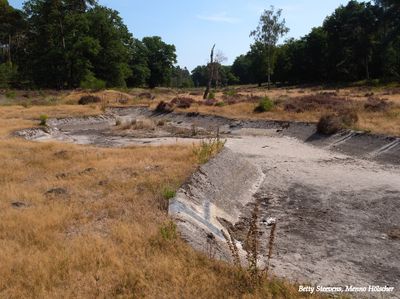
[89, 99]
[394, 233]
[375, 104]
[210, 102]
[137, 124]
[329, 124]
[231, 98]
[253, 274]
[146, 96]
[164, 107]
[183, 102]
[316, 102]
[332, 123]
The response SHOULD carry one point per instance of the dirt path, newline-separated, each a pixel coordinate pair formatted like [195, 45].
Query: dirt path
[335, 200]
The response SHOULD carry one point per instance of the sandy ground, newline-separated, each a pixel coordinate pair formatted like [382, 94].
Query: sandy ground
[334, 212]
[335, 199]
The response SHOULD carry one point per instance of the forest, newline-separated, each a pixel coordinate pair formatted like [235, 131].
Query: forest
[65, 44]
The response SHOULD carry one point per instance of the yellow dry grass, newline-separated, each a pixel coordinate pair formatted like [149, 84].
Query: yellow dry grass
[376, 122]
[98, 233]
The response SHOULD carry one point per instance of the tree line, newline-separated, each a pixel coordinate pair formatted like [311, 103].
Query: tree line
[359, 41]
[78, 43]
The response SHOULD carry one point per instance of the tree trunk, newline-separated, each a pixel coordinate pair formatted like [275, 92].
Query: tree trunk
[62, 34]
[9, 49]
[269, 67]
[211, 73]
[367, 67]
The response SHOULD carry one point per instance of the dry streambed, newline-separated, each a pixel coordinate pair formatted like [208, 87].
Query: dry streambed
[335, 199]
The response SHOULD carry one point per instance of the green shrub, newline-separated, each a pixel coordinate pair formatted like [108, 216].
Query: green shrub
[10, 94]
[230, 92]
[211, 95]
[168, 193]
[91, 82]
[43, 119]
[264, 105]
[8, 73]
[220, 104]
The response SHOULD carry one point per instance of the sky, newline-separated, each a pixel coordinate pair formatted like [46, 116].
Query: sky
[194, 26]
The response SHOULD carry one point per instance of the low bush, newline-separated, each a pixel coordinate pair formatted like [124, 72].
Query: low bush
[89, 99]
[334, 122]
[348, 117]
[183, 102]
[10, 94]
[264, 105]
[43, 119]
[8, 74]
[329, 124]
[377, 105]
[164, 107]
[210, 102]
[234, 99]
[315, 102]
[211, 95]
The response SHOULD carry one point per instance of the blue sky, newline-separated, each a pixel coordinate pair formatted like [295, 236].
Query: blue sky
[195, 25]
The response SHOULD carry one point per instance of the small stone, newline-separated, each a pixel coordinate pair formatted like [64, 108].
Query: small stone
[19, 205]
[61, 175]
[103, 183]
[87, 170]
[56, 191]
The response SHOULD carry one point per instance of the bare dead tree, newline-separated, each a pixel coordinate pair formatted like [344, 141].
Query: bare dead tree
[211, 70]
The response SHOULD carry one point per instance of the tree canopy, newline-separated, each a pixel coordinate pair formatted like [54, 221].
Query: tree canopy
[72, 43]
[358, 41]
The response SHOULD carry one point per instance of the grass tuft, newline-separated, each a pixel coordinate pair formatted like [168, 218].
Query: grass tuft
[208, 148]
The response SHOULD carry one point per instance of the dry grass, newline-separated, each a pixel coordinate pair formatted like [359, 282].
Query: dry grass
[105, 234]
[381, 122]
